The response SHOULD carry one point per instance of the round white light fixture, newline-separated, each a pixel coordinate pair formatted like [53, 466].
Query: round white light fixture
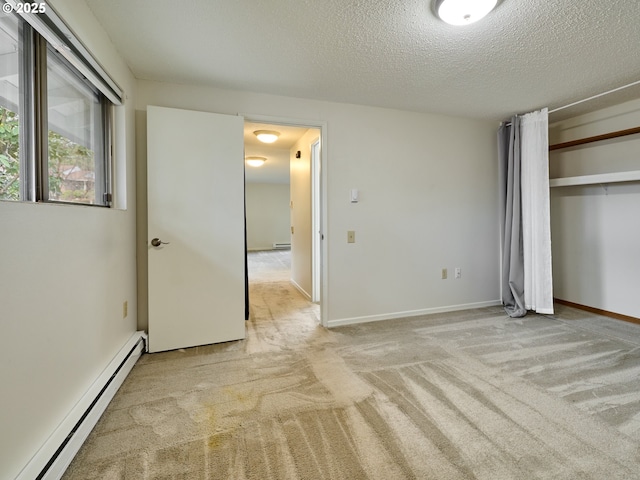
[255, 161]
[463, 12]
[267, 136]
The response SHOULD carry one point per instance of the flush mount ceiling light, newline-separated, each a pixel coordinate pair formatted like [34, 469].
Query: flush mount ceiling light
[267, 136]
[463, 12]
[255, 161]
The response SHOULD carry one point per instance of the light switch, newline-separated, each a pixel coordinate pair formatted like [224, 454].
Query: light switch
[354, 195]
[351, 236]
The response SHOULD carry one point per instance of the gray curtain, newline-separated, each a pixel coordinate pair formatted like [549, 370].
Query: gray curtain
[509, 154]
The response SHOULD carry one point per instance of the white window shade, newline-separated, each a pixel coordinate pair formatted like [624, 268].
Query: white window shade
[60, 37]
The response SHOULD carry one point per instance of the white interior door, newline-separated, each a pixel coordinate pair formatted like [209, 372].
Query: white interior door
[195, 178]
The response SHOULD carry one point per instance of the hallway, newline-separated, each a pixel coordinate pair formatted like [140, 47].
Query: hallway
[275, 304]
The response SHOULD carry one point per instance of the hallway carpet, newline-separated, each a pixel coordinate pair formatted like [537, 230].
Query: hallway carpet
[463, 395]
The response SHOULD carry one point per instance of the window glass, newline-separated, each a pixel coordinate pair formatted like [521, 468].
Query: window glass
[10, 99]
[76, 147]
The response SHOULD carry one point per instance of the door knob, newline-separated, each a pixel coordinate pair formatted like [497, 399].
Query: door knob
[156, 242]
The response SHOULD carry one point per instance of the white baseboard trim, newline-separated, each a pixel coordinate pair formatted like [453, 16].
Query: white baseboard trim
[411, 313]
[301, 290]
[53, 458]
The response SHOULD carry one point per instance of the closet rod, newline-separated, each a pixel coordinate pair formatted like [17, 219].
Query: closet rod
[590, 98]
[594, 97]
[597, 138]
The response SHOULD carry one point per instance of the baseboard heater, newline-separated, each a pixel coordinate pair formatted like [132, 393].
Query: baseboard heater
[51, 461]
[281, 246]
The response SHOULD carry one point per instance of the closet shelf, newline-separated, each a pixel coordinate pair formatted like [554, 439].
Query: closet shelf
[615, 177]
[597, 138]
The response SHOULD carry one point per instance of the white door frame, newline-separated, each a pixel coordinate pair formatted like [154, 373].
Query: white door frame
[322, 126]
[316, 221]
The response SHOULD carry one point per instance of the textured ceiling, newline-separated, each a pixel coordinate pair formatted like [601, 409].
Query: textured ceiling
[524, 55]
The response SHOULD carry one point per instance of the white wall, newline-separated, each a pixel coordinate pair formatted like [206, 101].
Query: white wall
[301, 219]
[428, 187]
[65, 273]
[267, 215]
[595, 229]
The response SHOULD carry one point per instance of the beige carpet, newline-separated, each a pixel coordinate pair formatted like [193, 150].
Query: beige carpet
[465, 395]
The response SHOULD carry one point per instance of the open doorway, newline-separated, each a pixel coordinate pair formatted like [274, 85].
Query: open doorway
[283, 209]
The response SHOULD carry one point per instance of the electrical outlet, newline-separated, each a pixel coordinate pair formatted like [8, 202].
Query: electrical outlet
[351, 236]
[125, 309]
[444, 274]
[458, 272]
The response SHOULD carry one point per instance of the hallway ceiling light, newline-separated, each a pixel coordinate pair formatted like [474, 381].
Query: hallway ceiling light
[255, 161]
[463, 12]
[267, 136]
